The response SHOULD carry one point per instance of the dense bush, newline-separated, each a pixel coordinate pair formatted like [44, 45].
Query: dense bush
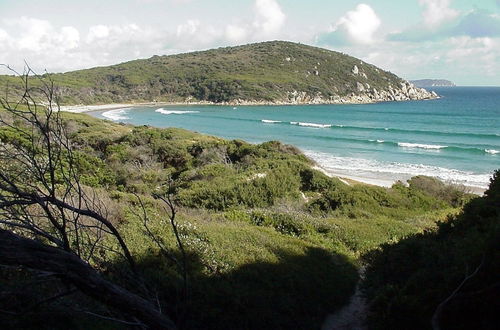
[455, 195]
[408, 280]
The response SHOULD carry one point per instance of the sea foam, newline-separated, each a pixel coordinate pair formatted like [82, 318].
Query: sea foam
[392, 171]
[492, 151]
[420, 146]
[269, 121]
[117, 114]
[174, 112]
[310, 124]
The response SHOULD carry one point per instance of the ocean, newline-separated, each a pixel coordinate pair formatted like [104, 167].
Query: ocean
[455, 138]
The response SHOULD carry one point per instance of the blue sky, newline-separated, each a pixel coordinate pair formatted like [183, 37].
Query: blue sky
[452, 39]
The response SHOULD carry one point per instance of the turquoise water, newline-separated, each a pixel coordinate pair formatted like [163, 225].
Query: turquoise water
[455, 138]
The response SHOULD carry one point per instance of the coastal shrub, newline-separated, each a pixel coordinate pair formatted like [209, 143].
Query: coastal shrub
[439, 260]
[281, 148]
[238, 150]
[282, 222]
[219, 186]
[93, 171]
[329, 201]
[313, 180]
[209, 152]
[216, 170]
[453, 194]
[173, 155]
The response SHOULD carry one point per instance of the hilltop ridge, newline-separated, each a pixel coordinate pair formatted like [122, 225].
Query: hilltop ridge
[273, 72]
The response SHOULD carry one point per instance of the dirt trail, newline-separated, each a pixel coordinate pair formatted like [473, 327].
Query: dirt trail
[353, 315]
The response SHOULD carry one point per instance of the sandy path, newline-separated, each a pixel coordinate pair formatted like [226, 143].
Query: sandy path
[353, 315]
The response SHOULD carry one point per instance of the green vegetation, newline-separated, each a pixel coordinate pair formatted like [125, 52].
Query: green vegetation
[267, 71]
[448, 274]
[269, 241]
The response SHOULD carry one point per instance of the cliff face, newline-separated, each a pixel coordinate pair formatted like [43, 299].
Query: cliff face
[274, 72]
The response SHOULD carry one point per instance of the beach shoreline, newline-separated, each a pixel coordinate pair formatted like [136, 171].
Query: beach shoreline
[81, 108]
[344, 177]
[381, 182]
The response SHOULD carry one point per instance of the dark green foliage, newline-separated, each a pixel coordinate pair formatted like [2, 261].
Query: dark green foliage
[259, 295]
[22, 292]
[313, 180]
[407, 281]
[266, 71]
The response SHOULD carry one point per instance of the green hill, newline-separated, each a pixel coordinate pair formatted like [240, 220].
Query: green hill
[267, 72]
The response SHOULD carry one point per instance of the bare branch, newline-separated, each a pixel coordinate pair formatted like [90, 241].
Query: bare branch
[17, 250]
[439, 310]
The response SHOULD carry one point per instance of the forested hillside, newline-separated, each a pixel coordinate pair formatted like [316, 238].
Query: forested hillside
[272, 72]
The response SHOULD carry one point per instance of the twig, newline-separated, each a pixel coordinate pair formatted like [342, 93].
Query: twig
[437, 313]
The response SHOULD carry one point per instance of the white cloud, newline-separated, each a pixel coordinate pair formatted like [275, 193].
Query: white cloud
[45, 46]
[36, 41]
[270, 18]
[236, 33]
[70, 37]
[97, 32]
[36, 35]
[357, 26]
[189, 28]
[437, 12]
[4, 36]
[465, 47]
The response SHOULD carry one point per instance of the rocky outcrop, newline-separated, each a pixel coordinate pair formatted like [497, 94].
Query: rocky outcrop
[404, 92]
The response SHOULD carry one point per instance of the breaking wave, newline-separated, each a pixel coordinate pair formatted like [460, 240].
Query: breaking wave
[310, 124]
[174, 112]
[117, 114]
[421, 146]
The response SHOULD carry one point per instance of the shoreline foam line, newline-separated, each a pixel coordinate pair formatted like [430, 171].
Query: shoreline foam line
[370, 171]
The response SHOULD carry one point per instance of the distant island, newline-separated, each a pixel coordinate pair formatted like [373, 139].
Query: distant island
[425, 83]
[274, 72]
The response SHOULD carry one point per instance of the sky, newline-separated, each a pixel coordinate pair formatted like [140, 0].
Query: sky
[457, 40]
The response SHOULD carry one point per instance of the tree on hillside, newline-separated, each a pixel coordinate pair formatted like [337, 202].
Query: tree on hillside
[51, 223]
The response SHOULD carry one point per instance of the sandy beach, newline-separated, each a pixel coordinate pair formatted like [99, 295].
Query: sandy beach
[88, 108]
[352, 179]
